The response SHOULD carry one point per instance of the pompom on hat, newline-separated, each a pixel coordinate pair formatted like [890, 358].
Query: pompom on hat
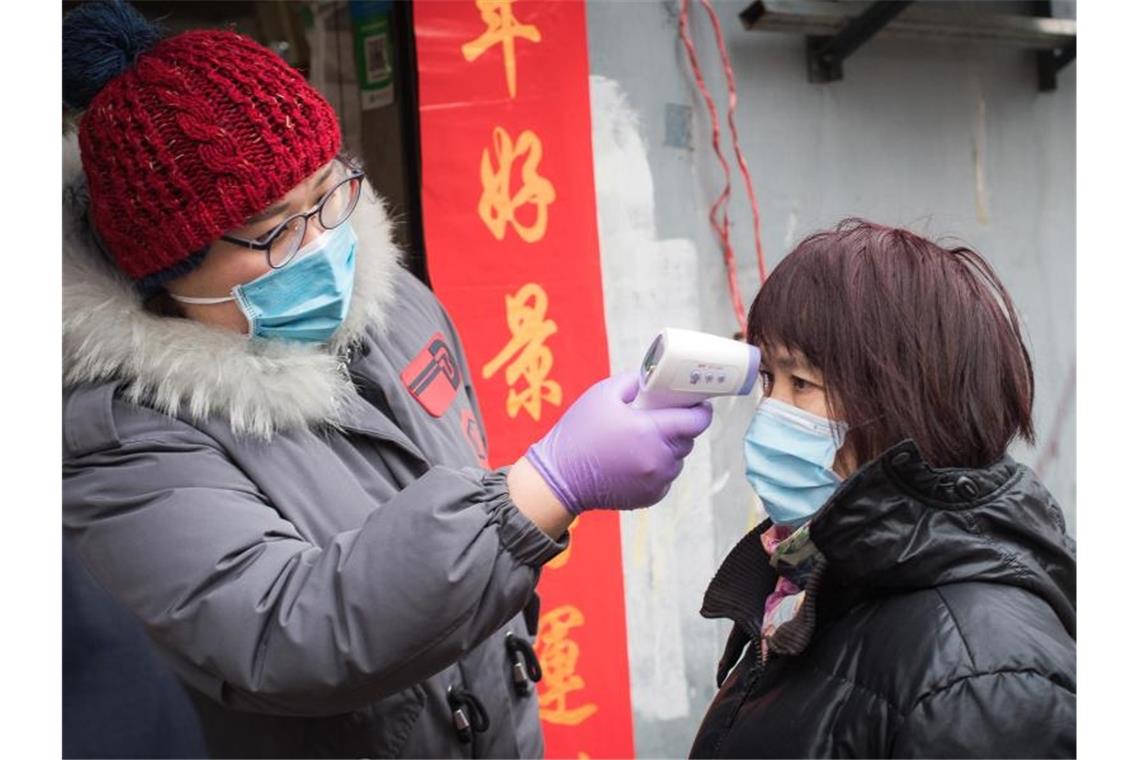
[186, 137]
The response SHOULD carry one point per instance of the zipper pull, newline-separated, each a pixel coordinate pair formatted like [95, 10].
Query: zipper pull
[462, 725]
[460, 702]
[524, 664]
[518, 675]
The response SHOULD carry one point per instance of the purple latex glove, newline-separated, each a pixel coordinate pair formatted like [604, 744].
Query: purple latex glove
[604, 454]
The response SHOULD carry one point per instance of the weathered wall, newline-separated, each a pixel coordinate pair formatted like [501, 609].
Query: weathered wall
[948, 139]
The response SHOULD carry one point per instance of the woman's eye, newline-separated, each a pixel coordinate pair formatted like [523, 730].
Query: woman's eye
[800, 384]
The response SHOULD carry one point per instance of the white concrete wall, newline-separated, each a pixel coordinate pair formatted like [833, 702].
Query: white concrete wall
[947, 139]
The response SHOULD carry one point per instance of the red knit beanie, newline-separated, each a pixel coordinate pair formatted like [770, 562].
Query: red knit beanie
[204, 130]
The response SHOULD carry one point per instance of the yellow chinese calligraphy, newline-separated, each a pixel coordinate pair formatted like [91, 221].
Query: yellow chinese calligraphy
[498, 205]
[526, 319]
[558, 656]
[502, 29]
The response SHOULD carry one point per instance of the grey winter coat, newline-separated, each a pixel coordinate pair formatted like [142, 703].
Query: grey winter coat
[318, 556]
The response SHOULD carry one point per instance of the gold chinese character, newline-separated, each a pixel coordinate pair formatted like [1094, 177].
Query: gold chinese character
[526, 319]
[497, 205]
[558, 656]
[502, 28]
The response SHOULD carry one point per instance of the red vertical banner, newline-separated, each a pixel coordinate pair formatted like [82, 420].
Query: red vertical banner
[512, 250]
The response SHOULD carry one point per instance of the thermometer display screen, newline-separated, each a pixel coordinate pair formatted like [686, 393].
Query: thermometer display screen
[652, 357]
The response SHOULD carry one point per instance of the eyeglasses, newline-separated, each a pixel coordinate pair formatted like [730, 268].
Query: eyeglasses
[283, 241]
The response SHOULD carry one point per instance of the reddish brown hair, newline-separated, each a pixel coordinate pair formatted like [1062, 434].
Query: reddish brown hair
[913, 341]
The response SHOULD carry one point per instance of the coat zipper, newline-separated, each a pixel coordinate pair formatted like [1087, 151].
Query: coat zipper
[761, 655]
[760, 644]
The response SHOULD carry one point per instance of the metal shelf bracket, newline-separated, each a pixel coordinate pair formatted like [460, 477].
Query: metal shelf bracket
[835, 30]
[1049, 62]
[825, 55]
[1053, 59]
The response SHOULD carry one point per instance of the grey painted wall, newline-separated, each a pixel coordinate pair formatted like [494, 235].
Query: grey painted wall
[950, 140]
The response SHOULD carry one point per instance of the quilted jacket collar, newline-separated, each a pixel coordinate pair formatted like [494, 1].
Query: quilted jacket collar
[899, 524]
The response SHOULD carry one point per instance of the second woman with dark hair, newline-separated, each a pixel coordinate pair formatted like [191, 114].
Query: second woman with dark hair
[913, 592]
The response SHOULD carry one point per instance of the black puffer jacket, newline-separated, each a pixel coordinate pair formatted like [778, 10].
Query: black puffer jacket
[946, 624]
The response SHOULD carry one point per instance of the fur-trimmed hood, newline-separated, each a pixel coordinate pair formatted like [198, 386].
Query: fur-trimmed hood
[183, 367]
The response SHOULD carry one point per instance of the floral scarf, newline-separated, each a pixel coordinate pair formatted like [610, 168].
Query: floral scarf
[789, 611]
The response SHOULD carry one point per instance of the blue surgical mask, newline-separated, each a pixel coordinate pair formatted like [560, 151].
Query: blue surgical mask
[307, 299]
[788, 456]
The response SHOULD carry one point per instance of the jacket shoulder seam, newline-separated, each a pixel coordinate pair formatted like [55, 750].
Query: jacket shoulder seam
[98, 431]
[957, 626]
[858, 686]
[1008, 557]
[160, 438]
[961, 679]
[942, 688]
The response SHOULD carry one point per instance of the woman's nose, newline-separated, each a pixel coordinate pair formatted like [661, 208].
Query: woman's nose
[313, 230]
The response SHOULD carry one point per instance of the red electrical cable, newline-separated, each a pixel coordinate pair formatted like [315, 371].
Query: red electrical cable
[718, 207]
[730, 77]
[718, 214]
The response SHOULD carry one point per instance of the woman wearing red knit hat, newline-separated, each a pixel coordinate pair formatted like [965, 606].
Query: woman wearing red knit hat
[267, 449]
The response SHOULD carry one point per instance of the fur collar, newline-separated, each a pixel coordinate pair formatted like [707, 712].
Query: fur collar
[182, 367]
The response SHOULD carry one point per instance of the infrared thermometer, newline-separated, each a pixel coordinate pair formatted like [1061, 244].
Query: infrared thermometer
[685, 367]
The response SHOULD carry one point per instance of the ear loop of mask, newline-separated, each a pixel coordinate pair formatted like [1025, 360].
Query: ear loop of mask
[202, 301]
[97, 239]
[313, 245]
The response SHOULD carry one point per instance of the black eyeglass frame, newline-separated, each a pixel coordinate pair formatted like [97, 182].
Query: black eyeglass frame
[265, 242]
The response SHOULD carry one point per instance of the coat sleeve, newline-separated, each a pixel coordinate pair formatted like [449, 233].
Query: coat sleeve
[174, 530]
[1009, 713]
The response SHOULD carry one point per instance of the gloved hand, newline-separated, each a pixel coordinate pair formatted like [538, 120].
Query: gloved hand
[604, 454]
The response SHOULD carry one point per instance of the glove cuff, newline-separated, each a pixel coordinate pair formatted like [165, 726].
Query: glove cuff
[553, 482]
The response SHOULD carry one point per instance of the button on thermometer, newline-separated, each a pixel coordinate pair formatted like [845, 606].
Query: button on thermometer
[684, 367]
